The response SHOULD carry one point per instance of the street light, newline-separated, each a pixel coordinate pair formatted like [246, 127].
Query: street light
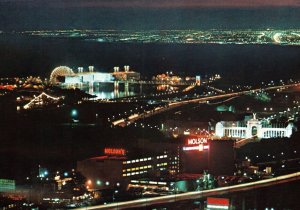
[74, 113]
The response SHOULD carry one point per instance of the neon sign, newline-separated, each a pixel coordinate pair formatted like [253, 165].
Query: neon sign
[199, 147]
[114, 151]
[196, 141]
[196, 144]
[217, 203]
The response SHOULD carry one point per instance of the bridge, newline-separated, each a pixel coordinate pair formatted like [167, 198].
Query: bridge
[198, 194]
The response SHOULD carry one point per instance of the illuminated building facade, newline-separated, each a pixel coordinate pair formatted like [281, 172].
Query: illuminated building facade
[88, 77]
[195, 155]
[199, 153]
[252, 128]
[152, 166]
[7, 185]
[64, 75]
[114, 169]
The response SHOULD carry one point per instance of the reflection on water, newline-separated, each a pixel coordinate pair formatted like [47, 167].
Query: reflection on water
[110, 95]
[109, 91]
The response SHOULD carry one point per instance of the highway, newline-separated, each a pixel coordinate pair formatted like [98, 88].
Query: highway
[134, 117]
[197, 194]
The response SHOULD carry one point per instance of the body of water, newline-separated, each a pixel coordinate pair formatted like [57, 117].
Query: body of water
[23, 56]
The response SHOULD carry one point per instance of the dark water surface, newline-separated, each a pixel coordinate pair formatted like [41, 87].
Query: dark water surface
[23, 56]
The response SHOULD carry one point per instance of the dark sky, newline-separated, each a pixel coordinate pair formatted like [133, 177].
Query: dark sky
[156, 3]
[148, 14]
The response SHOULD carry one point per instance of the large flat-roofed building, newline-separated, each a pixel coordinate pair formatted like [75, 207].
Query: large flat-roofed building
[88, 77]
[102, 172]
[64, 75]
[221, 157]
[115, 169]
[199, 154]
[194, 154]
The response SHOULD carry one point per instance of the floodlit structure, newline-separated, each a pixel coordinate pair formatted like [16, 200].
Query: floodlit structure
[88, 77]
[252, 128]
[40, 100]
[65, 76]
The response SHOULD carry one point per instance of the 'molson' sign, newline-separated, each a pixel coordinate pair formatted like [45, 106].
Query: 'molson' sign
[198, 144]
[196, 141]
[217, 203]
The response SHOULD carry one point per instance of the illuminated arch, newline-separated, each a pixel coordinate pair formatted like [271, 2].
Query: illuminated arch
[60, 71]
[38, 100]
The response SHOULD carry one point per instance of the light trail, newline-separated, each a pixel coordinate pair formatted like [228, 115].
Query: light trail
[157, 110]
[221, 102]
[189, 88]
[197, 194]
[215, 89]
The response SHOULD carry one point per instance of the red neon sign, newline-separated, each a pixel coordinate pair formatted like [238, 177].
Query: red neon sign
[114, 151]
[199, 147]
[218, 201]
[196, 141]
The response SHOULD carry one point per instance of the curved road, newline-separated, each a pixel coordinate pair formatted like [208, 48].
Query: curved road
[197, 194]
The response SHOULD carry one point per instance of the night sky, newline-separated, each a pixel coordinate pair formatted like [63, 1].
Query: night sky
[148, 14]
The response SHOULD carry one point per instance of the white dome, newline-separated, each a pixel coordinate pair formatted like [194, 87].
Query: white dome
[60, 71]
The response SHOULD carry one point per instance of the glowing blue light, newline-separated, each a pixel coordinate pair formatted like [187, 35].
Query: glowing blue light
[74, 113]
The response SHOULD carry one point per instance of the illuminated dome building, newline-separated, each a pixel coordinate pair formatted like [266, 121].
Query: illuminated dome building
[60, 71]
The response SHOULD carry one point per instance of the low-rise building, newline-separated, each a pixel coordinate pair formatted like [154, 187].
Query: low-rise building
[252, 128]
